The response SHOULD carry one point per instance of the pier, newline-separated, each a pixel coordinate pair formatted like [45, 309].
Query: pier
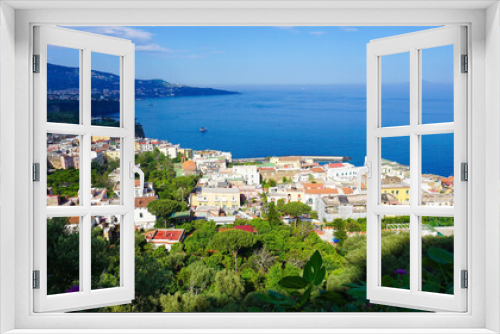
[308, 158]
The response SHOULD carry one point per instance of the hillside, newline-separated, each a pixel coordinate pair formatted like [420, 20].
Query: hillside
[62, 82]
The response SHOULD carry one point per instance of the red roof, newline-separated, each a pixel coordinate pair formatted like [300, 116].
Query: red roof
[247, 228]
[317, 170]
[322, 191]
[189, 165]
[164, 236]
[137, 183]
[450, 179]
[336, 165]
[347, 191]
[313, 185]
[142, 202]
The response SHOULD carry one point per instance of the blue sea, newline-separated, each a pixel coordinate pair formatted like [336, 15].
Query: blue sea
[292, 120]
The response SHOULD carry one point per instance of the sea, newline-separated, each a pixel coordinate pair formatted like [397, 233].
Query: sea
[317, 120]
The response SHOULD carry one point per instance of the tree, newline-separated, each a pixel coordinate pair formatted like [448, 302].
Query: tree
[163, 208]
[263, 258]
[340, 230]
[313, 214]
[285, 179]
[232, 241]
[196, 277]
[229, 284]
[273, 214]
[295, 209]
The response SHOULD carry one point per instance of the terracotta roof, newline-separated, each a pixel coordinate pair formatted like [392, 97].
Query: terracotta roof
[164, 236]
[449, 179]
[142, 202]
[246, 228]
[189, 165]
[137, 183]
[336, 165]
[313, 185]
[317, 170]
[347, 191]
[322, 191]
[74, 220]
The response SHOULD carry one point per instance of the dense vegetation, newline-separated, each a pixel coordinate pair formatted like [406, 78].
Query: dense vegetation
[200, 275]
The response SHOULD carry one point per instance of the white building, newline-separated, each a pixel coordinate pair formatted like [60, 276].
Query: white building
[249, 173]
[342, 172]
[169, 150]
[142, 217]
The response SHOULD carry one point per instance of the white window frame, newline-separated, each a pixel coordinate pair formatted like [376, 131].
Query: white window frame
[86, 44]
[482, 18]
[413, 44]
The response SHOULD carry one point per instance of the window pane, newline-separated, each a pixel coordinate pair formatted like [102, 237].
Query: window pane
[437, 170]
[105, 90]
[395, 90]
[437, 84]
[105, 162]
[437, 254]
[395, 171]
[63, 255]
[63, 169]
[395, 252]
[63, 85]
[105, 251]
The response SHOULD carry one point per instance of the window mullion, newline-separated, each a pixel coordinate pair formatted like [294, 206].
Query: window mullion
[85, 170]
[414, 169]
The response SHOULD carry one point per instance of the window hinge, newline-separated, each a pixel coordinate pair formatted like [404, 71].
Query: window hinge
[464, 167]
[465, 64]
[36, 63]
[465, 279]
[36, 279]
[36, 172]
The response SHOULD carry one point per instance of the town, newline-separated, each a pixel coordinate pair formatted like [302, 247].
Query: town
[227, 190]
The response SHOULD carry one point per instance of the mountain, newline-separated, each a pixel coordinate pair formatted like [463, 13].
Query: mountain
[63, 81]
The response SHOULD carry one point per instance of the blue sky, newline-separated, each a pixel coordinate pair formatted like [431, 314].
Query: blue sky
[228, 56]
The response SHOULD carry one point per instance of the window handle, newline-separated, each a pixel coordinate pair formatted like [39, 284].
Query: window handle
[135, 169]
[367, 169]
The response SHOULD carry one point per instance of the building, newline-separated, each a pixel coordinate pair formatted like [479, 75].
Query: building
[112, 155]
[142, 217]
[249, 173]
[189, 168]
[164, 237]
[400, 191]
[169, 150]
[288, 194]
[342, 171]
[228, 199]
[287, 162]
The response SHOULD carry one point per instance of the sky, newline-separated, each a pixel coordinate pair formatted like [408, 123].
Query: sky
[232, 56]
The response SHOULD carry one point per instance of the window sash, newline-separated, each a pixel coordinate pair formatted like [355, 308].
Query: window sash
[86, 43]
[413, 43]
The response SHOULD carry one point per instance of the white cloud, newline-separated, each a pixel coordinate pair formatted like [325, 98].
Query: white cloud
[138, 36]
[152, 48]
[288, 28]
[318, 33]
[195, 56]
[348, 29]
